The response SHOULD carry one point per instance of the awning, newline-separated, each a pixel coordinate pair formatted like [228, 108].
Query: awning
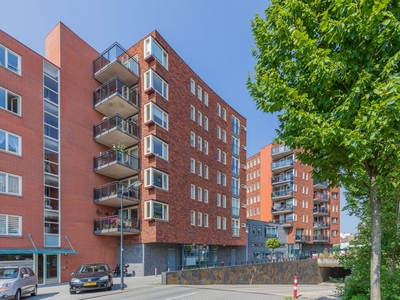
[37, 251]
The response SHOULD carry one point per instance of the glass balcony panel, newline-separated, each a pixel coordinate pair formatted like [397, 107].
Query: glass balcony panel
[110, 195]
[112, 225]
[116, 164]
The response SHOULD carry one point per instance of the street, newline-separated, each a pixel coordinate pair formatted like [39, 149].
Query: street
[150, 287]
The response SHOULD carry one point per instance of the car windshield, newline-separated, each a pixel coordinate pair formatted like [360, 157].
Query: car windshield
[6, 273]
[92, 268]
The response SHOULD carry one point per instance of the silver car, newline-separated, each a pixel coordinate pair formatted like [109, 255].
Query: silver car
[16, 282]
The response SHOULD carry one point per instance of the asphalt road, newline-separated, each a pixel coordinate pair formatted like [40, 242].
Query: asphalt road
[149, 287]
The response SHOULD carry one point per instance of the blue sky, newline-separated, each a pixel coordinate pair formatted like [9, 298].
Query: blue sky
[212, 36]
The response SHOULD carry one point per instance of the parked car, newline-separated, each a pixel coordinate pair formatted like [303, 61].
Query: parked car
[91, 277]
[16, 282]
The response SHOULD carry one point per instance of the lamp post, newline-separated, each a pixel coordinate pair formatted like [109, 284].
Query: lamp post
[134, 185]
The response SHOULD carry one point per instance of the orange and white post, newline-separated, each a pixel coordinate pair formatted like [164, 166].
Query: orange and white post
[295, 288]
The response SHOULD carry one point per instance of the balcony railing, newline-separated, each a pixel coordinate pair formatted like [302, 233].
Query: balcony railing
[282, 194]
[282, 209]
[112, 226]
[321, 210]
[116, 97]
[110, 195]
[116, 164]
[320, 224]
[116, 61]
[287, 223]
[280, 149]
[235, 212]
[320, 238]
[271, 235]
[302, 238]
[115, 129]
[320, 196]
[235, 150]
[281, 178]
[282, 165]
[320, 185]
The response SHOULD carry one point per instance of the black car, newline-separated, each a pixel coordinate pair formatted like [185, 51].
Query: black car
[91, 277]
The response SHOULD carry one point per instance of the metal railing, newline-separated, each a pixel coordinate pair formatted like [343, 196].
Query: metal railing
[282, 163]
[122, 158]
[323, 238]
[321, 196]
[321, 210]
[282, 208]
[281, 193]
[115, 188]
[111, 223]
[320, 224]
[302, 238]
[115, 87]
[280, 149]
[281, 178]
[116, 121]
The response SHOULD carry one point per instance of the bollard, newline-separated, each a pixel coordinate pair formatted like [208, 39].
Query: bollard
[295, 288]
[155, 270]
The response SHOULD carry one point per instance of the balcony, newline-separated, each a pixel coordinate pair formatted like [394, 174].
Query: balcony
[110, 195]
[302, 238]
[280, 151]
[320, 197]
[116, 164]
[283, 223]
[116, 97]
[115, 61]
[280, 179]
[281, 166]
[235, 212]
[112, 226]
[320, 185]
[320, 238]
[281, 210]
[280, 195]
[322, 211]
[114, 130]
[320, 225]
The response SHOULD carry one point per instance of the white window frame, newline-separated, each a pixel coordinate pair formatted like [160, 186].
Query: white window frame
[199, 143]
[218, 199]
[205, 195]
[205, 172]
[6, 64]
[223, 223]
[149, 178]
[149, 115]
[149, 210]
[199, 194]
[199, 169]
[224, 136]
[192, 86]
[199, 92]
[192, 113]
[218, 177]
[148, 50]
[223, 158]
[14, 96]
[149, 75]
[218, 109]
[149, 148]
[4, 187]
[205, 122]
[223, 179]
[218, 132]
[192, 165]
[6, 143]
[218, 154]
[218, 222]
[192, 218]
[192, 191]
[199, 118]
[6, 219]
[205, 220]
[223, 201]
[223, 114]
[205, 147]
[199, 219]
[193, 139]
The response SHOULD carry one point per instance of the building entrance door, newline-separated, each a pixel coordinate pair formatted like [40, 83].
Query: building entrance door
[171, 259]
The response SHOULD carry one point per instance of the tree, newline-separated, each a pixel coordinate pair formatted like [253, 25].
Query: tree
[331, 71]
[272, 243]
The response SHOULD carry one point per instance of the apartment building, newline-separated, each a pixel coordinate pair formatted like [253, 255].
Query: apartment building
[280, 189]
[88, 136]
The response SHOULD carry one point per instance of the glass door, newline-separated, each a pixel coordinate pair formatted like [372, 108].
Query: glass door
[51, 268]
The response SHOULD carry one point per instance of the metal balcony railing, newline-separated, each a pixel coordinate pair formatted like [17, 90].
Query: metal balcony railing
[282, 163]
[281, 178]
[115, 87]
[280, 149]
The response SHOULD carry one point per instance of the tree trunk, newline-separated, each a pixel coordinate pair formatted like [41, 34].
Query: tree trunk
[375, 271]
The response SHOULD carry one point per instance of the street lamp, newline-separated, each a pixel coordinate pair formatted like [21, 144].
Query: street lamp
[135, 184]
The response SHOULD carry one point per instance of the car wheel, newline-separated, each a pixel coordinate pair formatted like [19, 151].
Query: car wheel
[34, 293]
[72, 292]
[17, 295]
[109, 288]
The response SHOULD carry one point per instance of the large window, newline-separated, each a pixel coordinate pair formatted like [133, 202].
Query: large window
[235, 166]
[10, 225]
[10, 101]
[192, 217]
[192, 86]
[156, 178]
[153, 80]
[10, 184]
[156, 114]
[235, 227]
[10, 142]
[156, 210]
[151, 47]
[235, 125]
[10, 60]
[235, 186]
[156, 146]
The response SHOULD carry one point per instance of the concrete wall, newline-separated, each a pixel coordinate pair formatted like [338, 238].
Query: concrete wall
[307, 270]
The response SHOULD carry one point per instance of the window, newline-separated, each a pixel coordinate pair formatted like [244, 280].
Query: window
[334, 233]
[199, 143]
[223, 179]
[235, 126]
[154, 81]
[218, 132]
[199, 168]
[156, 210]
[218, 177]
[156, 178]
[192, 191]
[192, 139]
[205, 122]
[235, 186]
[10, 60]
[199, 193]
[205, 196]
[218, 222]
[10, 101]
[192, 113]
[236, 148]
[205, 147]
[224, 223]
[206, 172]
[218, 154]
[192, 217]
[205, 220]
[334, 220]
[334, 195]
[10, 142]
[10, 184]
[223, 201]
[151, 47]
[192, 86]
[156, 114]
[156, 146]
[205, 98]
[199, 94]
[218, 199]
[199, 118]
[223, 158]
[199, 219]
[235, 166]
[224, 114]
[192, 165]
[10, 225]
[224, 136]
